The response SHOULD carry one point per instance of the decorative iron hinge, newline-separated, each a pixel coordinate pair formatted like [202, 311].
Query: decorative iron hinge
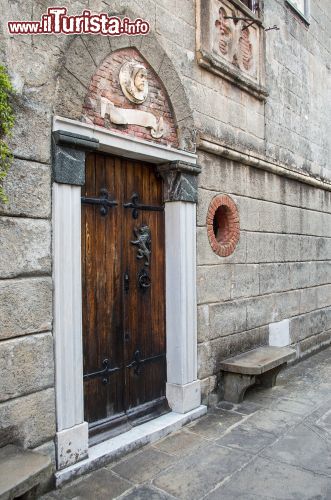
[136, 206]
[138, 363]
[104, 201]
[104, 373]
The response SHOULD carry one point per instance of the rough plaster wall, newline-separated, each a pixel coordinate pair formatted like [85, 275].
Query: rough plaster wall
[298, 71]
[281, 268]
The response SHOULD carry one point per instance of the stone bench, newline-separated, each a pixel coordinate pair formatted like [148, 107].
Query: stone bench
[21, 471]
[260, 365]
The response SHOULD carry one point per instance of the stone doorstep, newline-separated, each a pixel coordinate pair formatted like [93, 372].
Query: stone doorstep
[21, 470]
[258, 361]
[114, 448]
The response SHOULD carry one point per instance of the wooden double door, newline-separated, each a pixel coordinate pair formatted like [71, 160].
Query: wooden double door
[123, 283]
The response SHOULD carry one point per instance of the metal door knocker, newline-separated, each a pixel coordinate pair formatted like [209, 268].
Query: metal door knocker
[144, 279]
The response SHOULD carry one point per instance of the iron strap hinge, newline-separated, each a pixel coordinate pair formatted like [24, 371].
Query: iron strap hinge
[135, 205]
[104, 373]
[103, 201]
[138, 362]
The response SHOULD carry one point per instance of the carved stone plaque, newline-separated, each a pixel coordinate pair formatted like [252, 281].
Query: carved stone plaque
[230, 43]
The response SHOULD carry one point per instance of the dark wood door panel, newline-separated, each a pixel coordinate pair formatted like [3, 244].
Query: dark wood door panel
[144, 307]
[102, 315]
[123, 289]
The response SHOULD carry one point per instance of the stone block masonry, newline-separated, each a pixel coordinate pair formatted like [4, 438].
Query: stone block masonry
[280, 270]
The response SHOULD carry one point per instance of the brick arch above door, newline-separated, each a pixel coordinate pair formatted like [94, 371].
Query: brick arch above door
[107, 102]
[85, 54]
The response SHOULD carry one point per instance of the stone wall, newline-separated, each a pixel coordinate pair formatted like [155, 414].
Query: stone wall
[298, 109]
[27, 406]
[281, 266]
[280, 269]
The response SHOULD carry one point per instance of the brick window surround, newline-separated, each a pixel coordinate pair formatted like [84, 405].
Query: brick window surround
[223, 225]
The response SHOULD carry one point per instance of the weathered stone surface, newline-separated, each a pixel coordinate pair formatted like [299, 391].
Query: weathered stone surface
[146, 493]
[226, 318]
[273, 307]
[235, 386]
[308, 324]
[252, 441]
[245, 281]
[264, 425]
[313, 343]
[277, 479]
[25, 247]
[28, 421]
[180, 444]
[203, 323]
[208, 386]
[79, 61]
[274, 278]
[32, 142]
[244, 180]
[180, 181]
[210, 354]
[206, 255]
[261, 247]
[26, 365]
[21, 471]
[258, 361]
[28, 187]
[214, 283]
[70, 96]
[105, 485]
[143, 466]
[68, 165]
[31, 299]
[47, 449]
[215, 463]
[215, 424]
[301, 448]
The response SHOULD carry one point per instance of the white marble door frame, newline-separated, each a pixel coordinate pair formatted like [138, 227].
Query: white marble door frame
[183, 387]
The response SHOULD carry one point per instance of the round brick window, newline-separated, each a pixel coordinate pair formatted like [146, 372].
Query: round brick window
[223, 225]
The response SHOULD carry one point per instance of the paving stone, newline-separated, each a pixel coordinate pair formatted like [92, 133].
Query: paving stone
[181, 443]
[266, 480]
[305, 446]
[293, 406]
[274, 421]
[143, 466]
[198, 473]
[214, 425]
[247, 407]
[99, 485]
[321, 417]
[251, 440]
[146, 493]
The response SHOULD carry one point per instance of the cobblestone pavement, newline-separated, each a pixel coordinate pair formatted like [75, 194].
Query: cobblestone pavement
[275, 445]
